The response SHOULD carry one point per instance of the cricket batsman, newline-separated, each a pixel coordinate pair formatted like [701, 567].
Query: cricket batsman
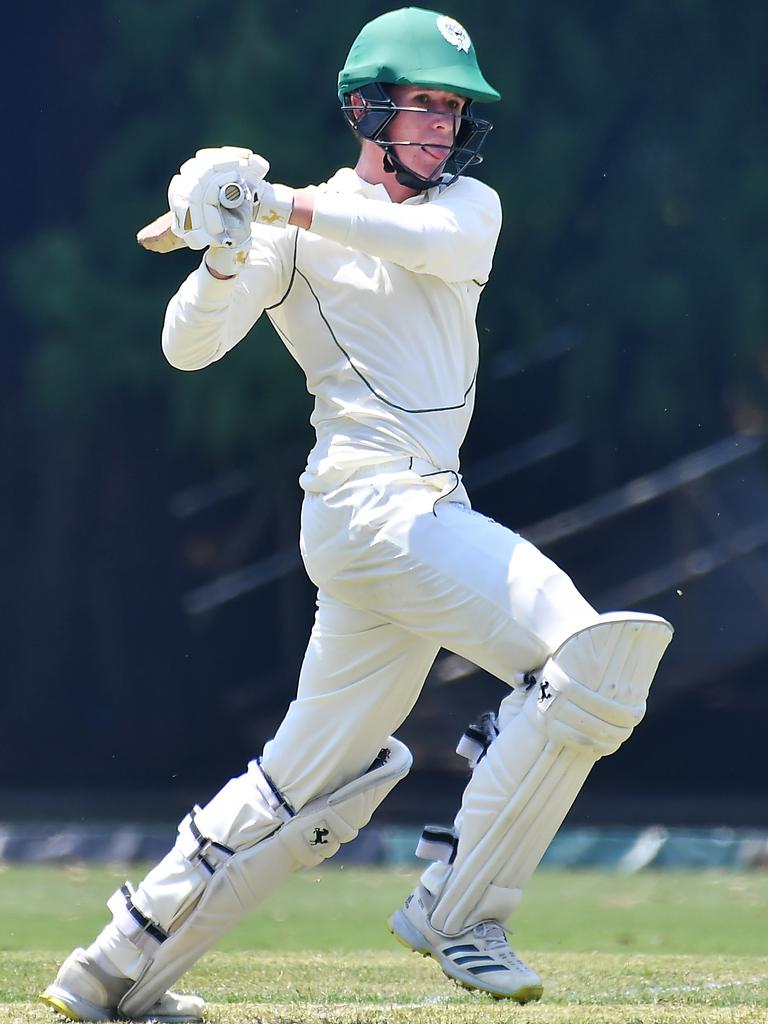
[372, 280]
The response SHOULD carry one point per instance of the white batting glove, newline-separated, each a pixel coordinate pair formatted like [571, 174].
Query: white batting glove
[227, 261]
[195, 199]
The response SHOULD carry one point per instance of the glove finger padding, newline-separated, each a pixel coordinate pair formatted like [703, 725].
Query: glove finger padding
[252, 167]
[193, 196]
[249, 166]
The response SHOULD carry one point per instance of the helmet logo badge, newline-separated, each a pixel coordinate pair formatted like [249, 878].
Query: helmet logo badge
[454, 33]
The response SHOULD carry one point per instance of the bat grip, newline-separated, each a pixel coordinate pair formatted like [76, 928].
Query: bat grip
[231, 195]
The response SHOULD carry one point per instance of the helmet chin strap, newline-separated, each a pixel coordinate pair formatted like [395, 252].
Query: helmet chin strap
[406, 177]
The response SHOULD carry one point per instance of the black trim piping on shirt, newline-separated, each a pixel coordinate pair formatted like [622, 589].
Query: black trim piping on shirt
[293, 276]
[438, 472]
[282, 334]
[457, 480]
[371, 388]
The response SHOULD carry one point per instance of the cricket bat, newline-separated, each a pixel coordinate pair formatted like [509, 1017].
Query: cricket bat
[158, 237]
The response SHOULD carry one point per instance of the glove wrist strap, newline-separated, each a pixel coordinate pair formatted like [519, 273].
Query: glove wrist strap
[275, 205]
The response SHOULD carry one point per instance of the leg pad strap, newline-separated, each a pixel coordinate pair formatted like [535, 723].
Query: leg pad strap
[145, 935]
[438, 842]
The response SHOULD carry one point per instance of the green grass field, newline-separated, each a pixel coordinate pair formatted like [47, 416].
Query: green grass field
[672, 948]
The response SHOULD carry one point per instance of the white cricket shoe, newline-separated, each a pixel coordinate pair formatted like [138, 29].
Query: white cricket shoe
[477, 958]
[83, 991]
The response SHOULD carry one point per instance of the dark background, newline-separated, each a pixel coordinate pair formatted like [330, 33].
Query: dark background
[154, 611]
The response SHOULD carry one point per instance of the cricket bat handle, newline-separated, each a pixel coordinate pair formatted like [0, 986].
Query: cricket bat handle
[158, 236]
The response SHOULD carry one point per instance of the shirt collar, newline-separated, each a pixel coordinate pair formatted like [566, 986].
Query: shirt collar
[348, 181]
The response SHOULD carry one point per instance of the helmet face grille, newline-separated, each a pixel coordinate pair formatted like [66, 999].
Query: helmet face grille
[378, 110]
[371, 119]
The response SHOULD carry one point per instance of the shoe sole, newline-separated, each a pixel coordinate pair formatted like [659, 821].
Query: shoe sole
[76, 1009]
[60, 1005]
[72, 1007]
[401, 928]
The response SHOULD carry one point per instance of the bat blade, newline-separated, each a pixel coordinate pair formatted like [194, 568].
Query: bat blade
[158, 237]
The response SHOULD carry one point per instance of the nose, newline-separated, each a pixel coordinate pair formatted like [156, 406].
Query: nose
[444, 119]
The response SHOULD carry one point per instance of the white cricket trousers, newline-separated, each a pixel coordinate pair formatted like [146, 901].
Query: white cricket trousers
[404, 567]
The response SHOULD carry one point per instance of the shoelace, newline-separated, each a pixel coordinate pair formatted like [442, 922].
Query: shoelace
[492, 934]
[495, 938]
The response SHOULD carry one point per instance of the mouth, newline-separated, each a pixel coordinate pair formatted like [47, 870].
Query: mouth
[438, 153]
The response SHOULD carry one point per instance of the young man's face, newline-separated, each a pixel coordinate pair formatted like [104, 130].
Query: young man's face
[432, 125]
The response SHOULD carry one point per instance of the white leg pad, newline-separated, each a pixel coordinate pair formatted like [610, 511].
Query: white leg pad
[585, 702]
[246, 876]
[473, 745]
[244, 811]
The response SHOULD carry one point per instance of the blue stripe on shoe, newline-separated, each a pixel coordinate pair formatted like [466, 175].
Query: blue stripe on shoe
[472, 958]
[485, 968]
[469, 948]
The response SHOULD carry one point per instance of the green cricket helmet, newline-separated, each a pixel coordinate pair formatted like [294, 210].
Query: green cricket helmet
[412, 46]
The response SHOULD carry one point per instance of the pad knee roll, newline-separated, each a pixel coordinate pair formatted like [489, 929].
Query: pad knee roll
[592, 692]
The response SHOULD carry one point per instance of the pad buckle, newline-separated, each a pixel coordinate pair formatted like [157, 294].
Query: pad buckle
[269, 791]
[477, 737]
[196, 846]
[145, 935]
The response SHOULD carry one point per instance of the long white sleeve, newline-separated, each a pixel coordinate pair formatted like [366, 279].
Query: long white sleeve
[452, 237]
[208, 317]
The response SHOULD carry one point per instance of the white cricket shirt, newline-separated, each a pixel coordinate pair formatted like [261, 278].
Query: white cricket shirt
[376, 303]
